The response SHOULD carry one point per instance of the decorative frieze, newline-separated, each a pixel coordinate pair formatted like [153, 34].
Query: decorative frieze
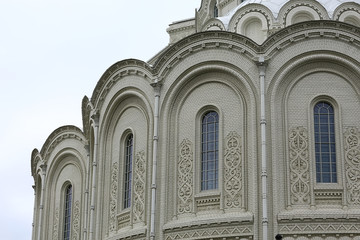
[185, 191]
[113, 198]
[139, 187]
[299, 166]
[352, 165]
[233, 171]
[218, 232]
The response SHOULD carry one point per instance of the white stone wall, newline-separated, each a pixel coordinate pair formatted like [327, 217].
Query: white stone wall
[217, 70]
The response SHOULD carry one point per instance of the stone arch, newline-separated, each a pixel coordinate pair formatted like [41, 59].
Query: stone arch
[127, 111]
[294, 12]
[204, 83]
[292, 113]
[213, 25]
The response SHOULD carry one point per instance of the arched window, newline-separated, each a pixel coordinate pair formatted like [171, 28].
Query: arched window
[210, 151]
[128, 170]
[325, 153]
[67, 212]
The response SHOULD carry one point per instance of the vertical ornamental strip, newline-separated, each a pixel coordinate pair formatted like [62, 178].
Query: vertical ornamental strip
[41, 207]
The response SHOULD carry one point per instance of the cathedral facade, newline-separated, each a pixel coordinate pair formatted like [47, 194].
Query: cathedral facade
[244, 127]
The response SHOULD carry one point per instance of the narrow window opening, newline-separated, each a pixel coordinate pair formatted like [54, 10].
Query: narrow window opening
[128, 170]
[67, 212]
[210, 151]
[325, 152]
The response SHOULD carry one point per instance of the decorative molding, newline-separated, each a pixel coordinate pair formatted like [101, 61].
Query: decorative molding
[304, 3]
[327, 229]
[299, 166]
[123, 219]
[185, 191]
[76, 221]
[352, 164]
[139, 187]
[113, 198]
[208, 202]
[214, 232]
[233, 189]
[246, 10]
[349, 6]
[56, 225]
[57, 136]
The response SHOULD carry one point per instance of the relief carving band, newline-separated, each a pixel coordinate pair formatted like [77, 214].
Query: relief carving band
[113, 197]
[76, 223]
[185, 178]
[352, 165]
[233, 171]
[56, 225]
[139, 187]
[299, 166]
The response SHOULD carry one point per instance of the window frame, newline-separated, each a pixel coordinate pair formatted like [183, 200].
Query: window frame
[64, 211]
[319, 186]
[127, 198]
[205, 182]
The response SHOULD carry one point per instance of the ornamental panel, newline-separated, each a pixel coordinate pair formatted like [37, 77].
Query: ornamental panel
[352, 165]
[299, 166]
[113, 198]
[233, 189]
[139, 187]
[185, 178]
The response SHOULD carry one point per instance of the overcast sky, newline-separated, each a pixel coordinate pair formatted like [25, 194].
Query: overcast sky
[52, 53]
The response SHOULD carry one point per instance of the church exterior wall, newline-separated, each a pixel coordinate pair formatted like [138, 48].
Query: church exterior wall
[161, 106]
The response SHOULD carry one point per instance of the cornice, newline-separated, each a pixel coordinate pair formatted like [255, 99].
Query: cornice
[117, 71]
[201, 41]
[173, 54]
[57, 136]
[310, 30]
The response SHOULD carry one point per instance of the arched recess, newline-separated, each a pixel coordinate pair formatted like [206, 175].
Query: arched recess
[350, 17]
[296, 88]
[293, 12]
[253, 25]
[212, 86]
[128, 112]
[66, 168]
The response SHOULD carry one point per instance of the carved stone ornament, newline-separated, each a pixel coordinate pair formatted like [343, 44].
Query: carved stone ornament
[352, 165]
[76, 221]
[299, 166]
[233, 171]
[139, 187]
[185, 178]
[56, 225]
[113, 198]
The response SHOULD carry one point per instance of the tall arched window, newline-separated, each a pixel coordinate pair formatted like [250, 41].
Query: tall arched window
[128, 170]
[210, 151]
[67, 212]
[325, 153]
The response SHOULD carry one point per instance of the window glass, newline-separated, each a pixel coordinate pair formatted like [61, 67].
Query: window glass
[209, 151]
[128, 170]
[324, 129]
[67, 212]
